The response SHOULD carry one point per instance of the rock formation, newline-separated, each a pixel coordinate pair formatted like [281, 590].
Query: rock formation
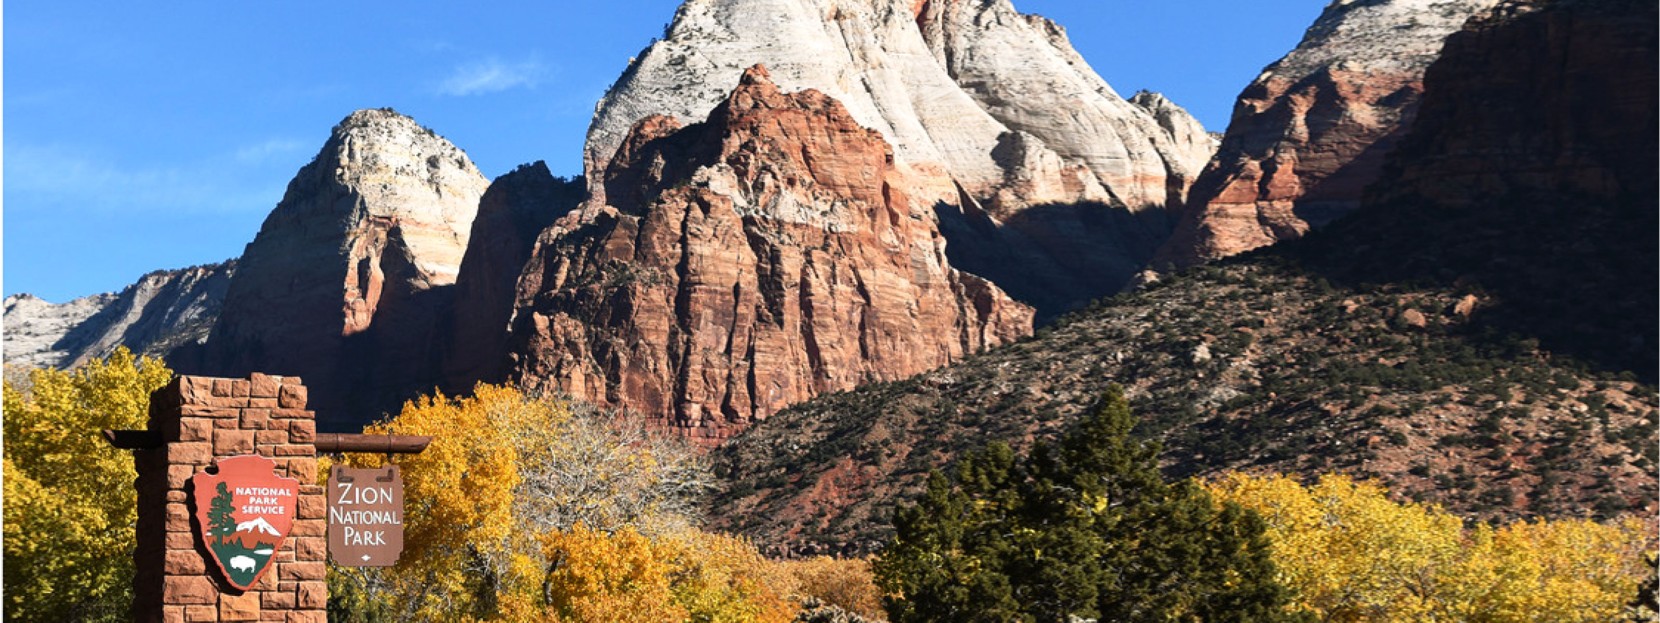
[1531, 174]
[162, 311]
[957, 86]
[744, 263]
[1309, 134]
[514, 210]
[344, 283]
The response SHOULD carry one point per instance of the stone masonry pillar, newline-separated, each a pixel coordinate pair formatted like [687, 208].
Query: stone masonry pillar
[200, 420]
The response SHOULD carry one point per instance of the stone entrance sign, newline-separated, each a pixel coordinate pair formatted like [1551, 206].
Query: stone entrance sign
[365, 516]
[243, 515]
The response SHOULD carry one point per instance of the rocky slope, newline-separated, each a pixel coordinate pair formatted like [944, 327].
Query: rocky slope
[162, 311]
[745, 263]
[1442, 338]
[1311, 132]
[344, 284]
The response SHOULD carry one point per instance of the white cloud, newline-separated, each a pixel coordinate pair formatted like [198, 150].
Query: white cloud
[489, 76]
[287, 149]
[56, 178]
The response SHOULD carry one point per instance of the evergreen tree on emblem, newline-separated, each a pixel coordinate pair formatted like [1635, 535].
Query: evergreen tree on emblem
[220, 522]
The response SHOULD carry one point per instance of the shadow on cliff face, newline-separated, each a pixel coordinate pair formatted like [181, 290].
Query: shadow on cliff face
[1054, 257]
[1530, 180]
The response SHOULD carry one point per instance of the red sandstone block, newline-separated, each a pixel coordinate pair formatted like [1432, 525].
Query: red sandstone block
[184, 562]
[284, 556]
[309, 527]
[195, 389]
[274, 615]
[271, 600]
[233, 442]
[190, 410]
[285, 587]
[240, 388]
[298, 449]
[174, 496]
[313, 595]
[244, 607]
[303, 469]
[308, 616]
[195, 429]
[173, 614]
[302, 431]
[188, 590]
[270, 437]
[178, 475]
[263, 403]
[311, 489]
[312, 507]
[190, 453]
[292, 380]
[286, 413]
[263, 386]
[255, 418]
[227, 423]
[268, 582]
[180, 541]
[178, 518]
[197, 614]
[310, 548]
[292, 397]
[301, 571]
[222, 387]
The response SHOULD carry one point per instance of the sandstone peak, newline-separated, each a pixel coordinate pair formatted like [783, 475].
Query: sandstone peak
[744, 262]
[160, 312]
[379, 217]
[943, 81]
[1310, 133]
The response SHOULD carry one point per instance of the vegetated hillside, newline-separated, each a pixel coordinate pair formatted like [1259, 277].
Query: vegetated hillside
[1254, 365]
[1481, 332]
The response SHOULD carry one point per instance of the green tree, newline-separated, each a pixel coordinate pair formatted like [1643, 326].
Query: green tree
[220, 521]
[70, 509]
[1085, 528]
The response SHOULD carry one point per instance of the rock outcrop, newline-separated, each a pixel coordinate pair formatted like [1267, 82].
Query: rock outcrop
[162, 311]
[344, 284]
[1531, 174]
[1310, 133]
[968, 89]
[745, 263]
[512, 213]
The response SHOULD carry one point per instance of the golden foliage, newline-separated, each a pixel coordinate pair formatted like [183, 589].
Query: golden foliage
[522, 509]
[846, 583]
[1353, 555]
[70, 511]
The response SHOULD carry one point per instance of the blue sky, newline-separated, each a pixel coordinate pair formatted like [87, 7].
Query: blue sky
[141, 136]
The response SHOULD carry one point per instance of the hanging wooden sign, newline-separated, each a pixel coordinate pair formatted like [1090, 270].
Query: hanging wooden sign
[365, 516]
[243, 514]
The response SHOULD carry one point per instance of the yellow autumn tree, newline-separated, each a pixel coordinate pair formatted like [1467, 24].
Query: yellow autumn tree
[504, 474]
[1350, 554]
[69, 499]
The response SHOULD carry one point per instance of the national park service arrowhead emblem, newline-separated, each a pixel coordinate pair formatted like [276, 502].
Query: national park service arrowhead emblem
[243, 514]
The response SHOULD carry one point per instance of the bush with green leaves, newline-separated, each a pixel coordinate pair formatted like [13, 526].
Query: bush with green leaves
[1082, 529]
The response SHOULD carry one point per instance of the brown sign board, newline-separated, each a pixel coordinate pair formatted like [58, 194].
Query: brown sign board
[365, 516]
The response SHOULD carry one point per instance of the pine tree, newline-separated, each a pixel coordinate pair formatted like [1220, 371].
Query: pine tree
[220, 522]
[1085, 528]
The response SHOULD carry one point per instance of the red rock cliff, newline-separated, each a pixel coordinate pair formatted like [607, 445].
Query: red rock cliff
[1310, 133]
[745, 263]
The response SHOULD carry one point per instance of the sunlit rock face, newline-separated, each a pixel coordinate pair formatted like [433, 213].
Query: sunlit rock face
[744, 263]
[343, 283]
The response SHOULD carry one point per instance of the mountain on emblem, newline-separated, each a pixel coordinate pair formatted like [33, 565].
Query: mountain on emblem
[243, 514]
